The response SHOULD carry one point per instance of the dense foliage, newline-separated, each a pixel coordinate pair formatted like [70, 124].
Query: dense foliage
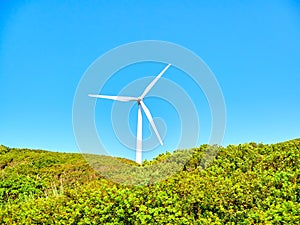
[245, 184]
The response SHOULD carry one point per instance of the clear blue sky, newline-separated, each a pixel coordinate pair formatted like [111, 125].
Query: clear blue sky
[253, 48]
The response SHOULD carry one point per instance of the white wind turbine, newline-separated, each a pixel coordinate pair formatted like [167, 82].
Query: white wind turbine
[141, 105]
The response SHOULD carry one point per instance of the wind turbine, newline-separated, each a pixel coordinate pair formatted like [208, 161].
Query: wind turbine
[141, 106]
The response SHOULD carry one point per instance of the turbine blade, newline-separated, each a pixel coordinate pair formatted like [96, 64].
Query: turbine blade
[149, 87]
[139, 137]
[148, 114]
[117, 98]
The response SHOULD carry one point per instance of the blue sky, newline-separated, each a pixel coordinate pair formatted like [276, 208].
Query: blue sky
[252, 47]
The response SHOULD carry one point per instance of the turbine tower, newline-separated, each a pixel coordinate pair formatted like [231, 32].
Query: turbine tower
[141, 106]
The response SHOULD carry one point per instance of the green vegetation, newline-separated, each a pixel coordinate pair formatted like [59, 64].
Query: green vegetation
[246, 184]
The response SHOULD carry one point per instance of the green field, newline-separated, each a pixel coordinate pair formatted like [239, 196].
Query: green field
[246, 184]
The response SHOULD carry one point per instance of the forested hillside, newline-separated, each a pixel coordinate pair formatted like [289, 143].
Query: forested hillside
[245, 184]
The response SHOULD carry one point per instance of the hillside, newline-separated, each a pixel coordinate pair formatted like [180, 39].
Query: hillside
[246, 184]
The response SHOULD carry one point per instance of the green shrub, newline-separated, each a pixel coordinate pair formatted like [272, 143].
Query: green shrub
[240, 184]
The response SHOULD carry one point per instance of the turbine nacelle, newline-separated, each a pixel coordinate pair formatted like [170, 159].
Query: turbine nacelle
[141, 107]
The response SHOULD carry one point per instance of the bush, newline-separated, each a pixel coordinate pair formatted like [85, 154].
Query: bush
[245, 184]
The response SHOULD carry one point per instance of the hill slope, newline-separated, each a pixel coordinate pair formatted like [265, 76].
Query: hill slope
[246, 184]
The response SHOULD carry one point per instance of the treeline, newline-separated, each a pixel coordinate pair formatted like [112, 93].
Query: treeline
[240, 184]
